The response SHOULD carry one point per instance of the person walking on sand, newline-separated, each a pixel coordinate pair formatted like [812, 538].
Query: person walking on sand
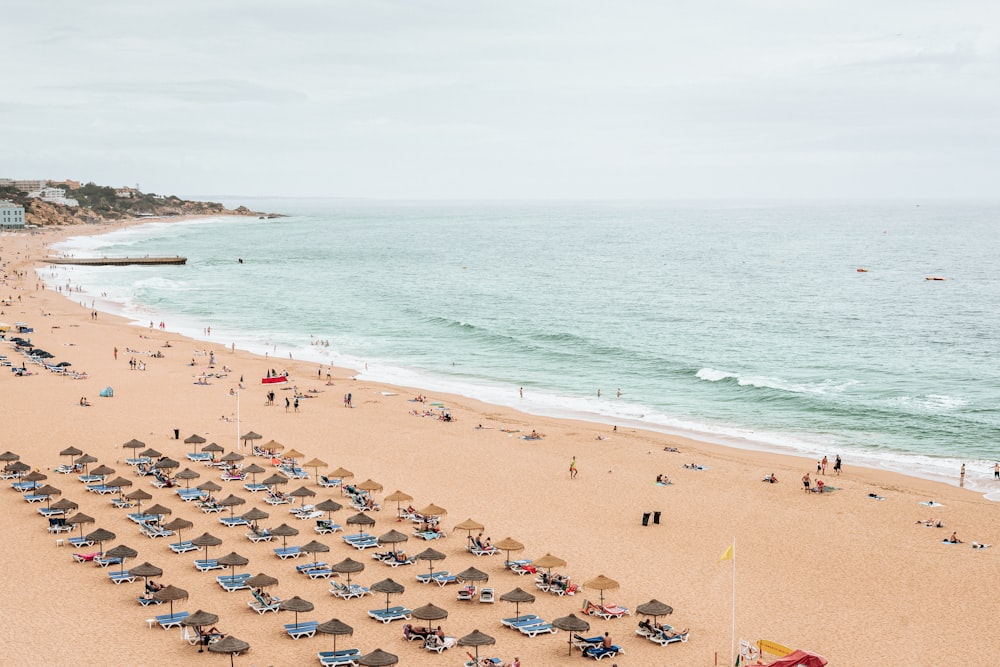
[572, 468]
[961, 476]
[824, 464]
[806, 482]
[287, 403]
[996, 471]
[116, 354]
[836, 465]
[296, 404]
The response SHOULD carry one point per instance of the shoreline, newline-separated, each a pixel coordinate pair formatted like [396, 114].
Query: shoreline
[912, 464]
[809, 565]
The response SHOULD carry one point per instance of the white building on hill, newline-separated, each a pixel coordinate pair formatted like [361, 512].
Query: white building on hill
[54, 196]
[11, 215]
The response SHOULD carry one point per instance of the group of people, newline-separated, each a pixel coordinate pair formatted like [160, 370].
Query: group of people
[808, 486]
[662, 479]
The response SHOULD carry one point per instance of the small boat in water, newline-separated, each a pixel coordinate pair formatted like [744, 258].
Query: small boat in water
[935, 278]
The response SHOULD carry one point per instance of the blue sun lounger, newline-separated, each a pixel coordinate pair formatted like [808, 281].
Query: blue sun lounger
[428, 577]
[335, 658]
[121, 577]
[391, 614]
[303, 629]
[79, 542]
[599, 652]
[511, 622]
[182, 547]
[233, 522]
[232, 583]
[204, 565]
[254, 488]
[104, 562]
[287, 552]
[167, 621]
[537, 629]
[145, 602]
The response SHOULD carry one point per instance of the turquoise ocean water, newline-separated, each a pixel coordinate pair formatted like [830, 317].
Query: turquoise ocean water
[745, 324]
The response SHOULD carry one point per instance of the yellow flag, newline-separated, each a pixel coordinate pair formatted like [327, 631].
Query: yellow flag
[728, 555]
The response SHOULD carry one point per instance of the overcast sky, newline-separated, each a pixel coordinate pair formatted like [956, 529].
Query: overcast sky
[513, 99]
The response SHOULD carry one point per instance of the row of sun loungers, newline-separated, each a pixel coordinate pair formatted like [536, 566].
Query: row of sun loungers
[337, 658]
[530, 625]
[664, 635]
[348, 591]
[390, 614]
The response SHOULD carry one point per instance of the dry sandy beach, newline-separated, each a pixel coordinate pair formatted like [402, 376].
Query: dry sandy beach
[847, 576]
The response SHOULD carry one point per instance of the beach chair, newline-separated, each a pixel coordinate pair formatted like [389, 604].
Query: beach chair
[336, 658]
[348, 592]
[428, 577]
[34, 497]
[391, 614]
[468, 592]
[58, 525]
[486, 596]
[153, 532]
[259, 605]
[254, 488]
[121, 577]
[86, 558]
[583, 643]
[325, 481]
[429, 534]
[471, 662]
[526, 620]
[145, 602]
[206, 564]
[287, 552]
[260, 536]
[121, 503]
[303, 629]
[187, 495]
[327, 527]
[521, 569]
[104, 562]
[232, 583]
[312, 514]
[79, 542]
[446, 579]
[599, 652]
[199, 456]
[182, 547]
[233, 521]
[537, 629]
[211, 509]
[361, 545]
[305, 567]
[666, 636]
[167, 621]
[477, 551]
[432, 644]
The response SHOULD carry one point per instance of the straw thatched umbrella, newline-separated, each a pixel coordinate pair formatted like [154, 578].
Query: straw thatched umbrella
[348, 566]
[361, 520]
[654, 608]
[150, 453]
[85, 461]
[284, 531]
[369, 485]
[64, 504]
[469, 525]
[253, 515]
[200, 619]
[315, 464]
[335, 627]
[571, 624]
[230, 645]
[248, 436]
[548, 561]
[70, 452]
[340, 474]
[100, 536]
[79, 519]
[509, 544]
[472, 574]
[34, 476]
[138, 496]
[253, 470]
[123, 552]
[274, 480]
[601, 583]
[9, 456]
[393, 537]
[212, 448]
[232, 457]
[134, 444]
[430, 612]
[314, 547]
[432, 510]
[272, 446]
[296, 604]
[177, 525]
[16, 467]
[329, 506]
[233, 560]
[231, 502]
[518, 596]
[159, 510]
[398, 497]
[166, 464]
[145, 571]
[102, 470]
[389, 587]
[206, 540]
[302, 493]
[119, 483]
[187, 475]
[261, 580]
[378, 658]
[209, 486]
[169, 594]
[47, 490]
[195, 440]
[476, 639]
[430, 555]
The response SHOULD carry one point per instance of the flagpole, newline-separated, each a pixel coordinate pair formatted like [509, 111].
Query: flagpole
[732, 645]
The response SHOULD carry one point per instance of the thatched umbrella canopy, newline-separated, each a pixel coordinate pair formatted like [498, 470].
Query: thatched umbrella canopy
[432, 510]
[103, 470]
[548, 561]
[177, 525]
[47, 490]
[150, 453]
[469, 525]
[187, 475]
[302, 493]
[476, 639]
[430, 555]
[393, 537]
[378, 658]
[284, 531]
[348, 566]
[10, 456]
[261, 580]
[232, 457]
[100, 536]
[509, 544]
[253, 470]
[206, 540]
[70, 452]
[159, 510]
[119, 483]
[517, 596]
[33, 476]
[79, 519]
[145, 571]
[654, 608]
[361, 520]
[166, 464]
[314, 547]
[472, 574]
[389, 587]
[315, 464]
[297, 605]
[64, 504]
[194, 440]
[293, 455]
[139, 495]
[231, 502]
[430, 612]
[398, 497]
[123, 552]
[209, 486]
[601, 583]
[335, 627]
[212, 448]
[340, 474]
[85, 461]
[169, 594]
[134, 444]
[253, 515]
[17, 467]
[233, 560]
[248, 436]
[276, 478]
[230, 645]
[329, 506]
[571, 624]
[369, 485]
[200, 619]
[273, 446]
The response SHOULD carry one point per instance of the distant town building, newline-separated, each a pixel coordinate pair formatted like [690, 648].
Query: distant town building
[53, 196]
[11, 215]
[126, 192]
[30, 185]
[70, 185]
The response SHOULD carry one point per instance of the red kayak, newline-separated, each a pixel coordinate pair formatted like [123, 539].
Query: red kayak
[277, 379]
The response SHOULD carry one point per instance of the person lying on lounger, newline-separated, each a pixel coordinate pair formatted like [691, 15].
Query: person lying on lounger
[264, 596]
[673, 634]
